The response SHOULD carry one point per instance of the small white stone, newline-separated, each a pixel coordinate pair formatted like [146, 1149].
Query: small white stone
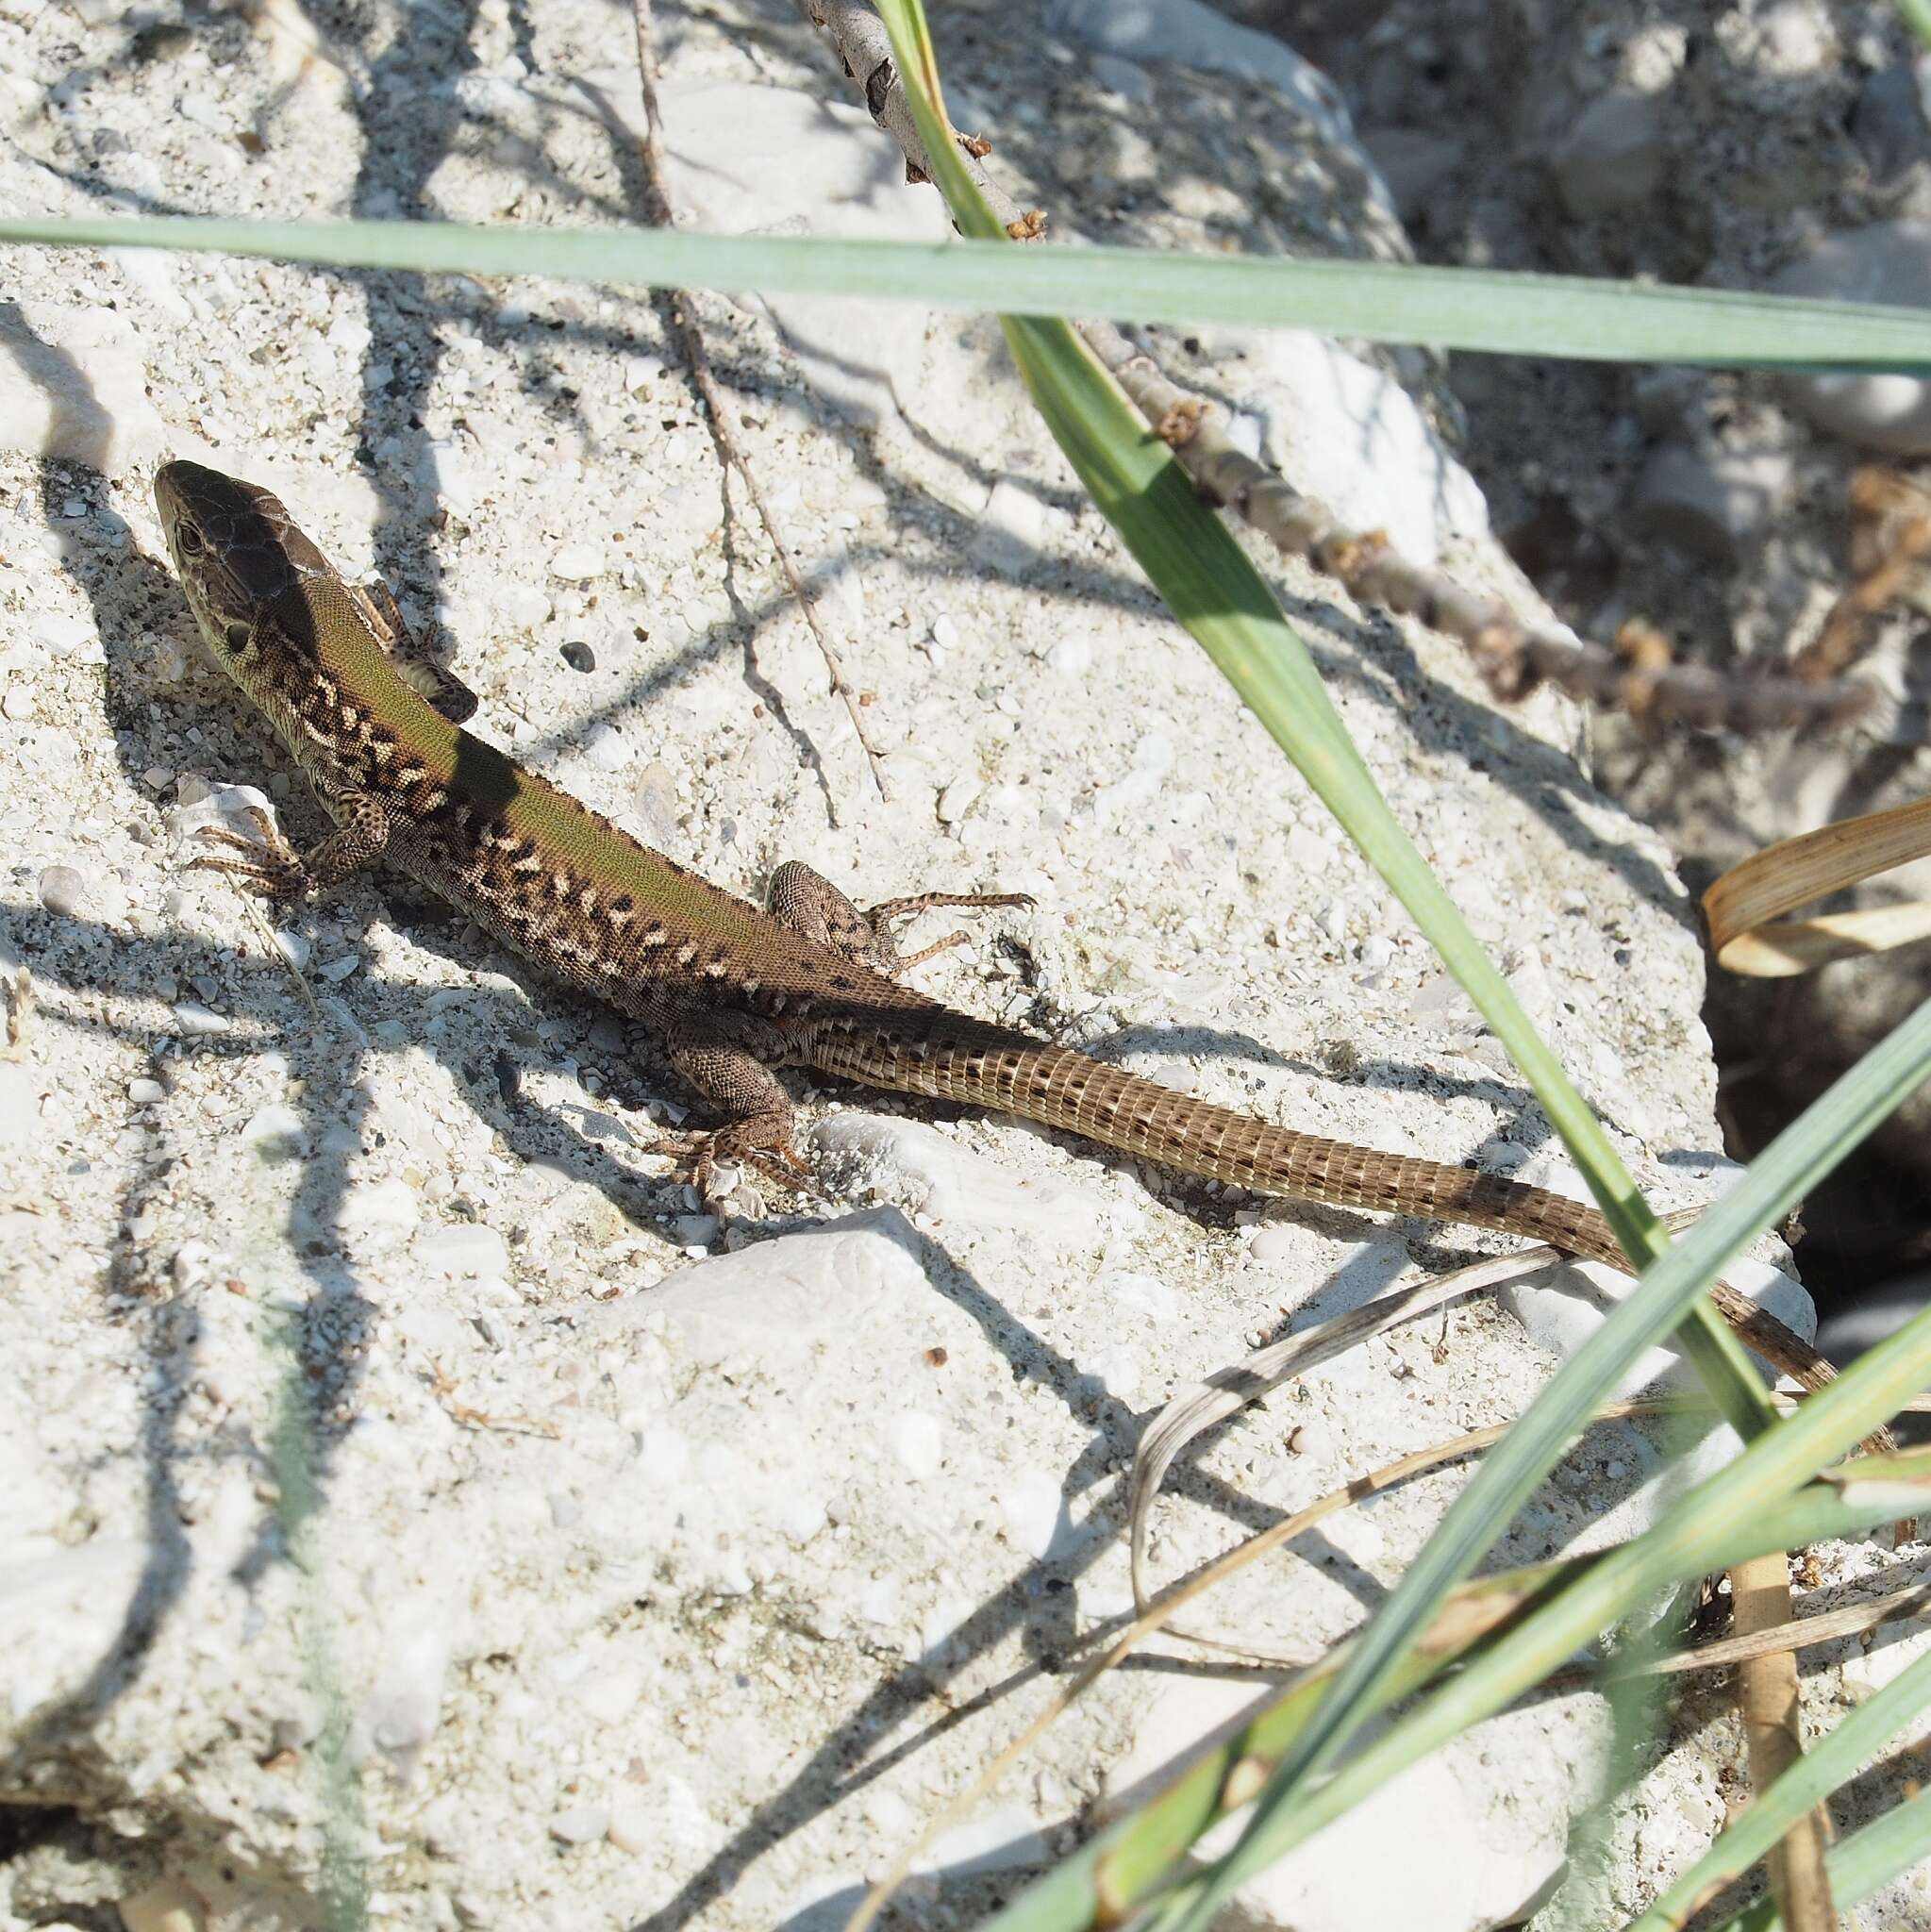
[196, 1020]
[335, 971]
[581, 1824]
[63, 635]
[18, 703]
[957, 798]
[1030, 1510]
[524, 605]
[1377, 952]
[384, 1206]
[193, 1260]
[1012, 528]
[608, 750]
[916, 1442]
[945, 632]
[640, 371]
[276, 1129]
[631, 1829]
[62, 890]
[166, 1905]
[466, 1248]
[576, 563]
[146, 1092]
[292, 947]
[1070, 657]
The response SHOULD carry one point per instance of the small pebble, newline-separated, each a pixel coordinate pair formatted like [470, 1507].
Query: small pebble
[146, 1092]
[335, 971]
[523, 604]
[62, 890]
[958, 799]
[293, 947]
[581, 1824]
[1071, 656]
[1612, 156]
[191, 1265]
[1882, 262]
[465, 1248]
[62, 635]
[18, 703]
[640, 371]
[166, 1905]
[576, 563]
[1377, 951]
[198, 1020]
[608, 749]
[578, 655]
[276, 1129]
[945, 632]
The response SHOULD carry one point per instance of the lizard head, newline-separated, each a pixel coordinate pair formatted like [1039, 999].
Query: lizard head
[236, 549]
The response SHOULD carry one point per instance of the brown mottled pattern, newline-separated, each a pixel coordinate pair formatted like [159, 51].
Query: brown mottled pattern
[735, 991]
[1059, 1088]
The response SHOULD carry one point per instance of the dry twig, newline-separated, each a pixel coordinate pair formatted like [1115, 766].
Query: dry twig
[1513, 656]
[1891, 539]
[724, 421]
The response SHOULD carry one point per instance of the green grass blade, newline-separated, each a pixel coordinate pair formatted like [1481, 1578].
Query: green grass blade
[1831, 1761]
[1769, 1468]
[1137, 1853]
[1917, 15]
[1885, 1848]
[1372, 301]
[1214, 590]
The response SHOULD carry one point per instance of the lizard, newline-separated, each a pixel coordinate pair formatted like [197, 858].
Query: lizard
[735, 992]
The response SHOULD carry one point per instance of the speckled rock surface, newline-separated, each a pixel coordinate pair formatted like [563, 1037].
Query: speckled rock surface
[365, 1374]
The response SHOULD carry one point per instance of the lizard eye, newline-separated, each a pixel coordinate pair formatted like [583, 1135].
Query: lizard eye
[189, 537]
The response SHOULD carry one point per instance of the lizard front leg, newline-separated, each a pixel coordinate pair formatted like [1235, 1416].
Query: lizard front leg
[810, 905]
[274, 867]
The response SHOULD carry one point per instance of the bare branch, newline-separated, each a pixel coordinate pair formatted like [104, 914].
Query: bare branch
[1513, 656]
[724, 421]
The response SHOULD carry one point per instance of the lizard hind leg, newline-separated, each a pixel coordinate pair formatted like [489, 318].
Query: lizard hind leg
[409, 652]
[729, 1062]
[810, 905]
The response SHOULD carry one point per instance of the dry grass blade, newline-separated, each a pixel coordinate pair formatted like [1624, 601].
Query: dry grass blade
[1469, 1615]
[1766, 1700]
[1197, 1409]
[1745, 907]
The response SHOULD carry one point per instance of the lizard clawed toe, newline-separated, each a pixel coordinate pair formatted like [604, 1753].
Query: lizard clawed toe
[778, 1164]
[271, 867]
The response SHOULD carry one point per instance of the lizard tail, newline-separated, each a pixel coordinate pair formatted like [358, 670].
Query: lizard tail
[987, 1066]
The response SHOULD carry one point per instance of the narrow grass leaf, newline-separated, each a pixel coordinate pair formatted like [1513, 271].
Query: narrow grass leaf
[1769, 1468]
[1834, 1759]
[1886, 1848]
[1108, 1877]
[1503, 313]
